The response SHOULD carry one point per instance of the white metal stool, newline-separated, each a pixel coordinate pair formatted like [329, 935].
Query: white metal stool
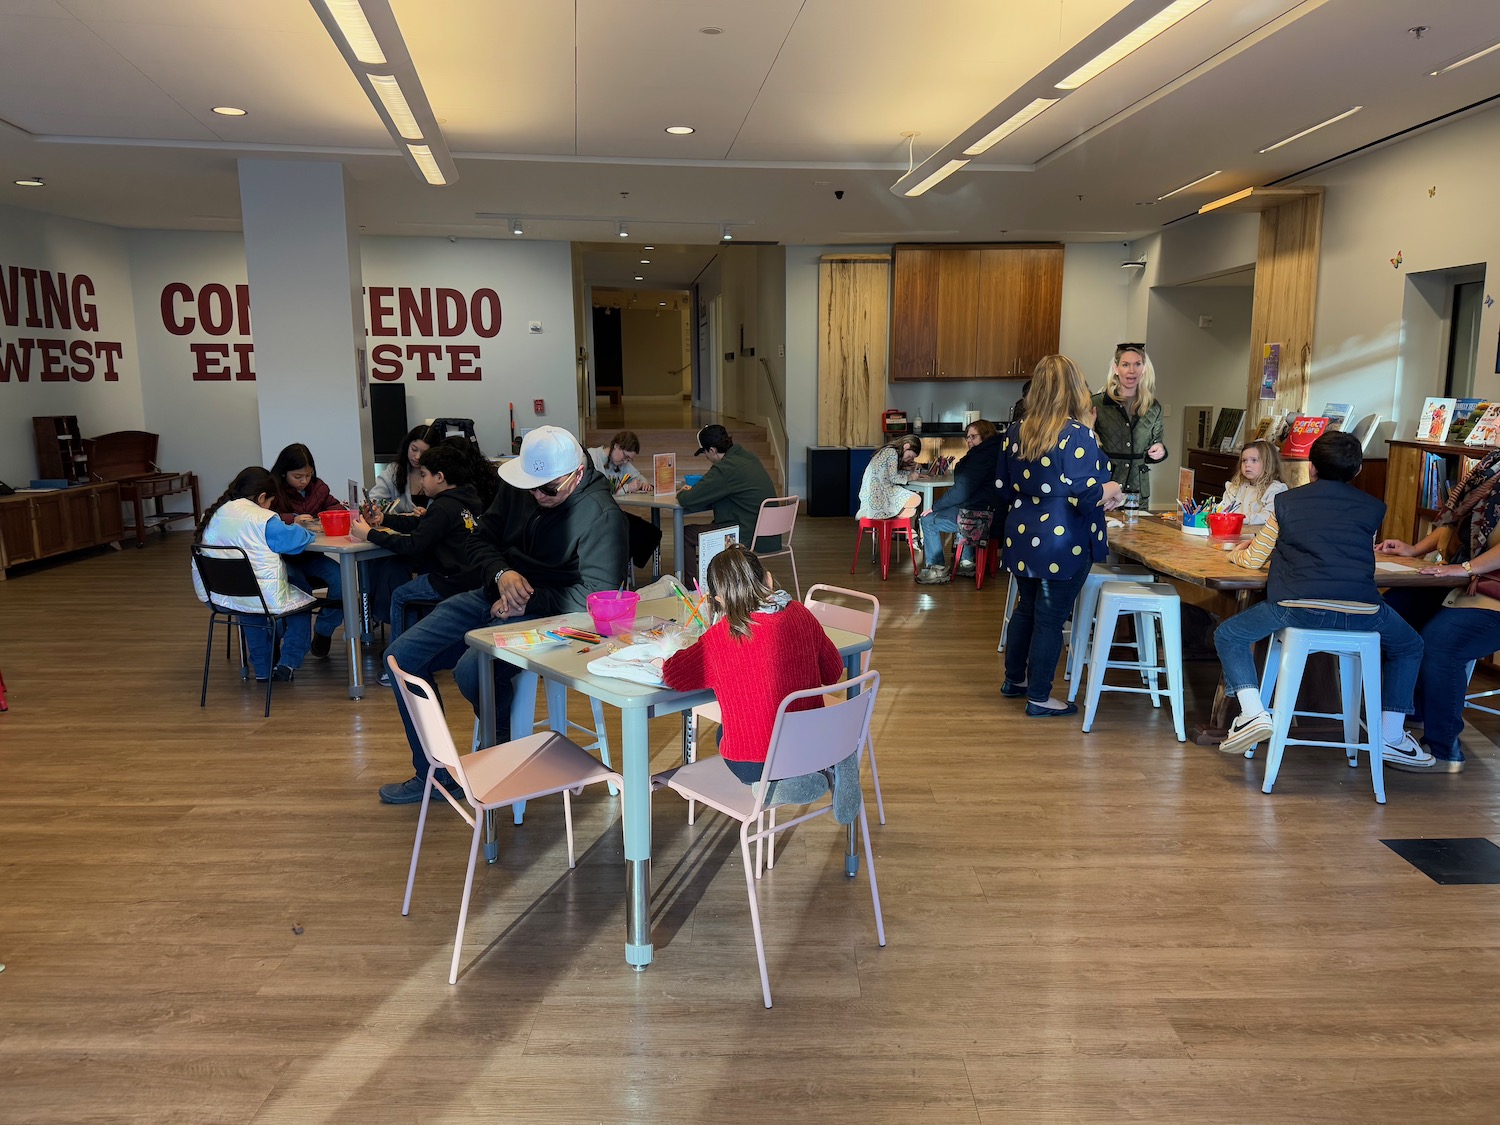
[1359, 664]
[1151, 604]
[1084, 612]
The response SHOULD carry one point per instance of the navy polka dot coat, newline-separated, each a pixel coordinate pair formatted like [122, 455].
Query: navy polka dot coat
[1054, 526]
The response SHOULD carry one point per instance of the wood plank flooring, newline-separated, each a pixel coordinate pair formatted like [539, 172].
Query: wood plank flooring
[1104, 927]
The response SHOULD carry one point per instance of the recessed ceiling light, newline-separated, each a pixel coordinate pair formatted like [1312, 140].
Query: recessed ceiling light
[710, 31]
[648, 247]
[1184, 187]
[1454, 64]
[229, 111]
[663, 304]
[1350, 112]
[32, 181]
[679, 130]
[638, 277]
[645, 261]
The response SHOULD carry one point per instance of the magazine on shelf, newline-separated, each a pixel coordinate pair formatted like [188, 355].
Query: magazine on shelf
[1364, 430]
[1337, 414]
[1305, 430]
[1485, 431]
[1464, 420]
[1437, 417]
[1226, 427]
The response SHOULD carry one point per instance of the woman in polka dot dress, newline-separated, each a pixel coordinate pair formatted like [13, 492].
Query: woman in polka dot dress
[1057, 484]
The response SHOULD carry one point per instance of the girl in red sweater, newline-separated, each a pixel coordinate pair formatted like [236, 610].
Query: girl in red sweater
[764, 647]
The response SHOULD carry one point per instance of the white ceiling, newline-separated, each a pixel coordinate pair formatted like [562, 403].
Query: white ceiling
[554, 109]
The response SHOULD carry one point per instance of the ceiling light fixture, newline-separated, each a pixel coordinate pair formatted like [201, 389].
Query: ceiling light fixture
[1169, 15]
[710, 31]
[680, 130]
[623, 233]
[32, 181]
[645, 261]
[932, 178]
[638, 277]
[388, 90]
[648, 247]
[229, 111]
[1454, 64]
[515, 227]
[1010, 125]
[1184, 187]
[725, 234]
[1351, 111]
[368, 36]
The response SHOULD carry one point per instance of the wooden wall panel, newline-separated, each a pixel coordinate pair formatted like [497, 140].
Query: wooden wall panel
[854, 301]
[1286, 294]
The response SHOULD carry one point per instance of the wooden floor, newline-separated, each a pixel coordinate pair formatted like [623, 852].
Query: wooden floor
[1099, 928]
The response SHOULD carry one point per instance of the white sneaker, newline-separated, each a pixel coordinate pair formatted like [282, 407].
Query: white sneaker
[1246, 731]
[1407, 752]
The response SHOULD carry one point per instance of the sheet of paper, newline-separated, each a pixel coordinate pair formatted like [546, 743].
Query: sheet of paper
[1387, 565]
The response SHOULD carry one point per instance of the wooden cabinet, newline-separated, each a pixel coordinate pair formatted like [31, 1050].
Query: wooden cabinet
[974, 312]
[38, 525]
[59, 448]
[1413, 493]
[1212, 470]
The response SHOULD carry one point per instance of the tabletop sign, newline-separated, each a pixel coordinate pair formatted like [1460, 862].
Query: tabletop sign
[664, 473]
[710, 543]
[1185, 479]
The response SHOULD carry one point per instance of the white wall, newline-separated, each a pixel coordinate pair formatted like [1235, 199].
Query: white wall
[74, 376]
[1094, 302]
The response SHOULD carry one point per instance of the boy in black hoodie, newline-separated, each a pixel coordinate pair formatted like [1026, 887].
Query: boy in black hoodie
[435, 543]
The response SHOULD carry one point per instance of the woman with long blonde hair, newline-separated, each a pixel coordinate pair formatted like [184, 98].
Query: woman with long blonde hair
[1055, 486]
[1130, 420]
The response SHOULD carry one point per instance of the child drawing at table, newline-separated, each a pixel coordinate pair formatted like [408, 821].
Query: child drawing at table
[300, 495]
[243, 518]
[1256, 483]
[764, 647]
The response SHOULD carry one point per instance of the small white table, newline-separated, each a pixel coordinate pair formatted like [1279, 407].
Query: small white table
[565, 666]
[928, 487]
[349, 552]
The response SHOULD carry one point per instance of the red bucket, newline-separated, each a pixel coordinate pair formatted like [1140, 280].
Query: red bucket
[1225, 525]
[335, 522]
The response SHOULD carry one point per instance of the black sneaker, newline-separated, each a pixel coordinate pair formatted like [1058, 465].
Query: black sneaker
[320, 646]
[282, 674]
[409, 792]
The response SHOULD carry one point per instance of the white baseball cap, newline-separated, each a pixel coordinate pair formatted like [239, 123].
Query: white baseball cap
[547, 452]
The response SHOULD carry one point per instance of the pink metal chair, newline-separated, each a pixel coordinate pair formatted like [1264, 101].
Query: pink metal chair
[778, 516]
[852, 619]
[535, 766]
[802, 742]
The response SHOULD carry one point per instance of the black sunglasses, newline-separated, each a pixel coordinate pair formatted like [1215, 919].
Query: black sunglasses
[1131, 348]
[553, 487]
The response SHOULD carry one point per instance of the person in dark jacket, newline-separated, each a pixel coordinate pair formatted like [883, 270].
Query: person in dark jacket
[553, 536]
[973, 487]
[1320, 547]
[434, 544]
[735, 486]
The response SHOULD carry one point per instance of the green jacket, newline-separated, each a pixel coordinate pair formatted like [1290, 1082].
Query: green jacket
[1125, 441]
[734, 488]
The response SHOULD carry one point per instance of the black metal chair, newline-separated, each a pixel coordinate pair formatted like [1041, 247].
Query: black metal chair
[227, 573]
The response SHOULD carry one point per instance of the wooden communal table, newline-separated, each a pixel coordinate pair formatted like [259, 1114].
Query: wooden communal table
[1202, 562]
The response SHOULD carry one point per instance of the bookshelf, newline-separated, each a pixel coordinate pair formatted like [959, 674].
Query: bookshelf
[1421, 473]
[59, 449]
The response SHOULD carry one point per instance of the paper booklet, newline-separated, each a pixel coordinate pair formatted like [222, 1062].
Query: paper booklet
[1437, 416]
[1486, 431]
[1337, 414]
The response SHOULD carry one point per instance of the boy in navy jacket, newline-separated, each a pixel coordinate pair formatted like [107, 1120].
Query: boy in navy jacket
[1320, 546]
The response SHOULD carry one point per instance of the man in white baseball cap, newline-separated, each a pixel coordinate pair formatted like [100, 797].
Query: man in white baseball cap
[553, 535]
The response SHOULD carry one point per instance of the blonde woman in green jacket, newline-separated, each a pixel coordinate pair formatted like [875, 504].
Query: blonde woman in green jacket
[1129, 425]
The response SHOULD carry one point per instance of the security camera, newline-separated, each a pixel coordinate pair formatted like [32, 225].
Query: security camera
[838, 195]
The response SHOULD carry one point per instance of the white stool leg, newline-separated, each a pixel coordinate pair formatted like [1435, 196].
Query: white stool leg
[1350, 695]
[1289, 681]
[1083, 631]
[1104, 631]
[1145, 651]
[1268, 680]
[1370, 669]
[1171, 635]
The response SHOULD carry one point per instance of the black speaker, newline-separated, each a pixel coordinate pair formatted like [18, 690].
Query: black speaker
[387, 419]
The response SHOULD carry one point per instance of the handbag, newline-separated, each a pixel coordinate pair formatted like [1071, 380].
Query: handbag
[974, 524]
[1485, 585]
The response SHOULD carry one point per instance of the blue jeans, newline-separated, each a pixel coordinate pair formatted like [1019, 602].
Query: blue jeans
[419, 589]
[1452, 637]
[1400, 647]
[309, 570]
[932, 540]
[296, 636]
[437, 642]
[1035, 639]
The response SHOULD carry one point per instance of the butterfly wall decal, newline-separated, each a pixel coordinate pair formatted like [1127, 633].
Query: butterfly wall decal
[1488, 300]
[1396, 261]
[1432, 191]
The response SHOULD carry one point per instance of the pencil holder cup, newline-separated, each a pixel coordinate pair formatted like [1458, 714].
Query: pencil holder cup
[613, 611]
[1226, 525]
[335, 522]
